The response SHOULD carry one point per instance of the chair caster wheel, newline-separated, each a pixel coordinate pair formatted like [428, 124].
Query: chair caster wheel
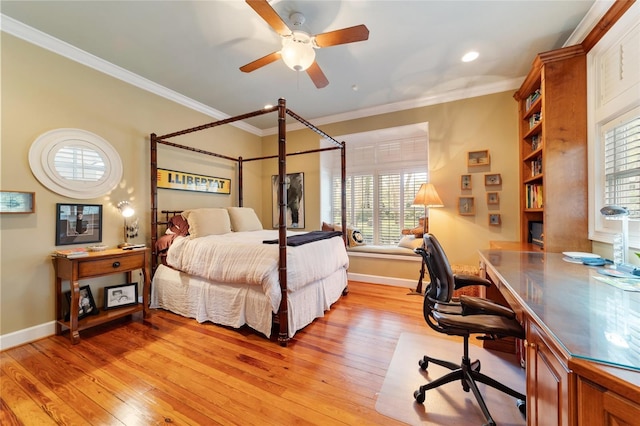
[522, 406]
[423, 363]
[419, 396]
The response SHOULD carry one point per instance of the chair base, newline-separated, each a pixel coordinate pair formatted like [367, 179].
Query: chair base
[468, 373]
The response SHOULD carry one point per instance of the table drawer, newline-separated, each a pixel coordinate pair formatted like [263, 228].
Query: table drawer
[110, 266]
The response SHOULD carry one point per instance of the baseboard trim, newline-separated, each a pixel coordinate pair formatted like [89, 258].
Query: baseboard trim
[27, 335]
[376, 279]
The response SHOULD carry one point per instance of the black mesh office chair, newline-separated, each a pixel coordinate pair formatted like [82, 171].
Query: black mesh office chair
[463, 317]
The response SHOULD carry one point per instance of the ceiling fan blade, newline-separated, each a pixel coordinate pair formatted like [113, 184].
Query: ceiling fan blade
[317, 76]
[345, 35]
[259, 63]
[266, 12]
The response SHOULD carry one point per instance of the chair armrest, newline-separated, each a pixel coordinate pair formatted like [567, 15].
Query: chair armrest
[461, 281]
[479, 306]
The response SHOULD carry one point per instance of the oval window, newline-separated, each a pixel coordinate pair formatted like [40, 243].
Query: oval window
[75, 163]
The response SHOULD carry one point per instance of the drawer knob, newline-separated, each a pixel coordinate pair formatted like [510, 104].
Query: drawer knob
[116, 264]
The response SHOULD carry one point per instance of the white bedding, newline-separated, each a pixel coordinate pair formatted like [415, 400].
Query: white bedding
[242, 258]
[232, 279]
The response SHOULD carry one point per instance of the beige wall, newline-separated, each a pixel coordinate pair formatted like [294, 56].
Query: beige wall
[485, 122]
[43, 91]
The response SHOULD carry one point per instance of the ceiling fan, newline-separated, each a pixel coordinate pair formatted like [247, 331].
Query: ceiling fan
[298, 46]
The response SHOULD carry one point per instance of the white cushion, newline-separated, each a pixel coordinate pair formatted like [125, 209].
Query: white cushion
[410, 242]
[244, 219]
[207, 221]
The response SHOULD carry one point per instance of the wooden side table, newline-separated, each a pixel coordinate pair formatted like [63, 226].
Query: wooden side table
[98, 264]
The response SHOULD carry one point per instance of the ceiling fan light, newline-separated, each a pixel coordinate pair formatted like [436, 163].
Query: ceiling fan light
[298, 54]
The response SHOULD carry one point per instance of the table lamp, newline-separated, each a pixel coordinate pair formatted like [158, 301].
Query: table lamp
[621, 213]
[126, 211]
[428, 197]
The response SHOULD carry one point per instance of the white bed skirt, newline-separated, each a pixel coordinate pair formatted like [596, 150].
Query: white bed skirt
[235, 305]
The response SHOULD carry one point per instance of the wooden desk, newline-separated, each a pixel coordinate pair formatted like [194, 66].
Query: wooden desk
[98, 264]
[582, 353]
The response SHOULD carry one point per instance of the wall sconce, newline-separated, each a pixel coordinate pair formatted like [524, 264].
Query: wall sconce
[428, 197]
[130, 230]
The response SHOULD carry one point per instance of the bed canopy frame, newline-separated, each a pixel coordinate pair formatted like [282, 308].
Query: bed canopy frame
[282, 110]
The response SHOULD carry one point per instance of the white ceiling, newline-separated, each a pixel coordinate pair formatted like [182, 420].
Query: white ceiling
[194, 48]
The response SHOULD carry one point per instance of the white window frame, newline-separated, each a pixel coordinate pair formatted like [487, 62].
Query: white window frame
[603, 115]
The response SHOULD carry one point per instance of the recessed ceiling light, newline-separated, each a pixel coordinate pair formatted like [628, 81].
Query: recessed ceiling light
[470, 56]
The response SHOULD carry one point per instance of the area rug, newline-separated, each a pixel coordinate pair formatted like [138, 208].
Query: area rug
[448, 404]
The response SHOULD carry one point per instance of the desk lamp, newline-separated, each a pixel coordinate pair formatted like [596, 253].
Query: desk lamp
[126, 211]
[614, 212]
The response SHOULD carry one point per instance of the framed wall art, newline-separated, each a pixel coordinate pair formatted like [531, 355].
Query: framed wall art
[295, 200]
[466, 206]
[172, 179]
[493, 198]
[494, 219]
[493, 179]
[78, 223]
[465, 182]
[478, 158]
[17, 202]
[117, 296]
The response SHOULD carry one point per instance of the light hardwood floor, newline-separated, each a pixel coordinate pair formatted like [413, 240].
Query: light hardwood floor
[170, 369]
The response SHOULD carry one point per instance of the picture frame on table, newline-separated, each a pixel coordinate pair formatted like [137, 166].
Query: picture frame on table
[78, 223]
[118, 296]
[86, 303]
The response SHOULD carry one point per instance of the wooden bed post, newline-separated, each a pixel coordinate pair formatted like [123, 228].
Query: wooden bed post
[240, 184]
[154, 202]
[343, 191]
[283, 315]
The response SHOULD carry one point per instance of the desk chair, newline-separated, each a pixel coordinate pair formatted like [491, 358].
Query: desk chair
[469, 315]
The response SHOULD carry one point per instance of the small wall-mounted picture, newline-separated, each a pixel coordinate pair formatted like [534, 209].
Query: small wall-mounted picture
[466, 206]
[117, 296]
[465, 182]
[478, 158]
[86, 304]
[78, 223]
[493, 198]
[492, 179]
[494, 219]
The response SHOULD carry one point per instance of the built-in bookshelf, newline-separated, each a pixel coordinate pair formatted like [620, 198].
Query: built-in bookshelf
[552, 126]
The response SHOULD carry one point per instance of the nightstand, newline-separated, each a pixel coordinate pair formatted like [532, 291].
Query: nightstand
[98, 264]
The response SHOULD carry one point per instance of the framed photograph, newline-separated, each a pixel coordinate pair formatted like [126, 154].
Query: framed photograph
[494, 219]
[117, 296]
[17, 202]
[86, 305]
[493, 198]
[465, 182]
[295, 200]
[466, 206]
[492, 179]
[78, 224]
[478, 158]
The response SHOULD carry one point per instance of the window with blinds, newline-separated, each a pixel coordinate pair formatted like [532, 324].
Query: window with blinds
[79, 164]
[622, 162]
[384, 172]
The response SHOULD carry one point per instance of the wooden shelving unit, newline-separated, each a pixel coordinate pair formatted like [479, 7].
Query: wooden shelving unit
[552, 108]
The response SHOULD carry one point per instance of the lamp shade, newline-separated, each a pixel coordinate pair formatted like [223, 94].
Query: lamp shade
[125, 209]
[428, 196]
[297, 51]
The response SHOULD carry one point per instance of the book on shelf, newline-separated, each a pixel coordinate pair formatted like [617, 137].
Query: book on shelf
[534, 196]
[532, 98]
[71, 253]
[534, 119]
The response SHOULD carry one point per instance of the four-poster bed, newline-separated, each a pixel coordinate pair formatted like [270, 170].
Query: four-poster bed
[319, 290]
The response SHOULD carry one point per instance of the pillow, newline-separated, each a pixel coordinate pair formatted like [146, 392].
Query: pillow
[177, 226]
[328, 227]
[354, 236]
[410, 242]
[244, 219]
[208, 221]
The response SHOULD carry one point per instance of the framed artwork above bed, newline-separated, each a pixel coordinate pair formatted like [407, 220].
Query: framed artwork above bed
[295, 200]
[173, 179]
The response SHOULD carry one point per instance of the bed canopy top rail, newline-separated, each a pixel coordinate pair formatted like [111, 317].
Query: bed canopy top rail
[283, 336]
